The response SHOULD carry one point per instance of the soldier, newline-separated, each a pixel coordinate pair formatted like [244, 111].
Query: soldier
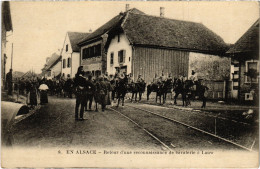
[194, 77]
[102, 92]
[90, 88]
[163, 78]
[9, 80]
[130, 79]
[155, 79]
[140, 79]
[80, 83]
[68, 86]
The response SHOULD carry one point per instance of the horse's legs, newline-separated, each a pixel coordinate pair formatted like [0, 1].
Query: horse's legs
[204, 100]
[132, 96]
[135, 96]
[118, 98]
[156, 97]
[175, 97]
[140, 96]
[148, 93]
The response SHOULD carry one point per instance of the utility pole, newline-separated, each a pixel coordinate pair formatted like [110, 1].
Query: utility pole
[12, 57]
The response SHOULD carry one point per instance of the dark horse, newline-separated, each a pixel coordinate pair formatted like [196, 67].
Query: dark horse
[135, 88]
[121, 90]
[161, 89]
[187, 90]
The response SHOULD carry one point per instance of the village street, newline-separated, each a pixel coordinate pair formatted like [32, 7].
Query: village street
[54, 126]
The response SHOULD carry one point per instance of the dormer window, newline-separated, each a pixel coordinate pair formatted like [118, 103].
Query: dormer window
[67, 48]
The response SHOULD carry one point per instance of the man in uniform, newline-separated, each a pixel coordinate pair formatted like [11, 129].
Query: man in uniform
[163, 77]
[102, 91]
[140, 79]
[68, 86]
[194, 77]
[89, 92]
[9, 80]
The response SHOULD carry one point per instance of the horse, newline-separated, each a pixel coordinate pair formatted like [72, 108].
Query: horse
[166, 88]
[121, 90]
[157, 88]
[135, 88]
[186, 89]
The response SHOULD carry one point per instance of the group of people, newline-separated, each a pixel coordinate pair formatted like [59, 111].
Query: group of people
[31, 87]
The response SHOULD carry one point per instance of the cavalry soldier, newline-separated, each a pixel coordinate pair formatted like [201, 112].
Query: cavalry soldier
[194, 79]
[193, 76]
[140, 79]
[155, 79]
[80, 83]
[163, 77]
[90, 88]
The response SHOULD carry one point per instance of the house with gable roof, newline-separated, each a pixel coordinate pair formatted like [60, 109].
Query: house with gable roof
[245, 65]
[70, 53]
[137, 43]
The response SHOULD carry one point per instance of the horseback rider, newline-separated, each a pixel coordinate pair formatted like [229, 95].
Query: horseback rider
[130, 78]
[194, 79]
[155, 79]
[140, 79]
[163, 78]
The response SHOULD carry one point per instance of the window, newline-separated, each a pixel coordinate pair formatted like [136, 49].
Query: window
[64, 63]
[121, 56]
[67, 48]
[69, 62]
[252, 69]
[118, 38]
[91, 51]
[112, 58]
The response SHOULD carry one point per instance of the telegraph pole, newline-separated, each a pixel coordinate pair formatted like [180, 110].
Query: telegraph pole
[12, 57]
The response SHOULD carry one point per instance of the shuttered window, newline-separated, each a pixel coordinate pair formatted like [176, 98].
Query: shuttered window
[67, 48]
[121, 56]
[69, 62]
[64, 63]
[112, 58]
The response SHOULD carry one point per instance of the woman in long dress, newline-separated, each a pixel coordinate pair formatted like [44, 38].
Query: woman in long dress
[43, 93]
[33, 95]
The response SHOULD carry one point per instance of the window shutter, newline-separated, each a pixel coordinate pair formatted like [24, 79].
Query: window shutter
[118, 56]
[123, 55]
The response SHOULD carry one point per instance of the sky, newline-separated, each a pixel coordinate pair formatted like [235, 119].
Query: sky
[39, 28]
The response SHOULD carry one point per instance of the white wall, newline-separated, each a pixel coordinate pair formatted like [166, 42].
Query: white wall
[65, 55]
[56, 69]
[75, 62]
[116, 46]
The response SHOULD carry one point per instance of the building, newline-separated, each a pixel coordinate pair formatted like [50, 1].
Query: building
[6, 26]
[92, 48]
[245, 61]
[70, 53]
[142, 44]
[52, 68]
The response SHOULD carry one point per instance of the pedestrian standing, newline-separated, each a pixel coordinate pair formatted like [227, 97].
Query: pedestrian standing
[90, 88]
[43, 92]
[33, 95]
[9, 80]
[80, 83]
[102, 92]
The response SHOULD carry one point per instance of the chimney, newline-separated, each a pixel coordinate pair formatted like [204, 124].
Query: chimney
[47, 59]
[126, 7]
[161, 11]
